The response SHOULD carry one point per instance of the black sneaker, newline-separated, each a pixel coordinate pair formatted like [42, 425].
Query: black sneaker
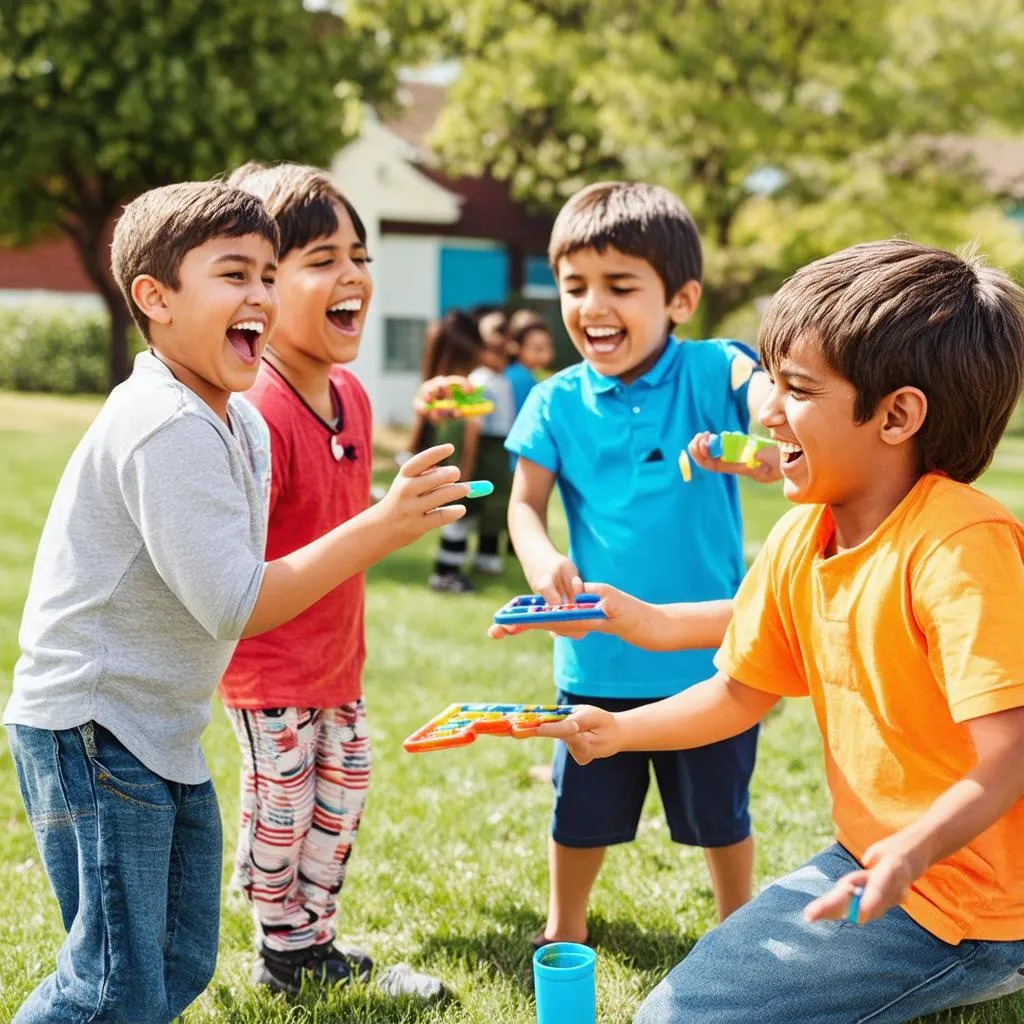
[348, 961]
[449, 583]
[284, 971]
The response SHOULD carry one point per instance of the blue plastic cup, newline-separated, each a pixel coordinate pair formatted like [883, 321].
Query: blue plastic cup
[563, 980]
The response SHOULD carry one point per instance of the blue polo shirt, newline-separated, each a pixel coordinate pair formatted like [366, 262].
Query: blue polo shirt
[633, 521]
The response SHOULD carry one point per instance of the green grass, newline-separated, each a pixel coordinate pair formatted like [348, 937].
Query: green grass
[449, 869]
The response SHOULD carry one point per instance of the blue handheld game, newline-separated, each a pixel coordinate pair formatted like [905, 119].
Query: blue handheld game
[529, 609]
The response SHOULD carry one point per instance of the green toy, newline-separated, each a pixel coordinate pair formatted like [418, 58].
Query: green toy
[729, 446]
[465, 403]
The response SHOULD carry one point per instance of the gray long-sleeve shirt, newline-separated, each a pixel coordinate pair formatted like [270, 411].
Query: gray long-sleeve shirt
[148, 569]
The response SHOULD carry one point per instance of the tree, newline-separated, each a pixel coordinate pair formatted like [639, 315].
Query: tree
[100, 101]
[789, 127]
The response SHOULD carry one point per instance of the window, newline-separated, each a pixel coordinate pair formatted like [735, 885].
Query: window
[403, 344]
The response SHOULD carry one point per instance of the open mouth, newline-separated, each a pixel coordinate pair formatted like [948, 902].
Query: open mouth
[604, 340]
[791, 453]
[345, 315]
[244, 338]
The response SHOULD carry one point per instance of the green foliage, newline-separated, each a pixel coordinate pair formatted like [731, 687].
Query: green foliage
[790, 128]
[60, 350]
[101, 101]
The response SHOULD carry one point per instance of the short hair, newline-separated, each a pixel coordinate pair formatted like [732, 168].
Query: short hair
[157, 230]
[300, 198]
[453, 346]
[641, 220]
[522, 321]
[892, 314]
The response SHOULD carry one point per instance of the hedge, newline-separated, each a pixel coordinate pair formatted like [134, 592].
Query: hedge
[58, 349]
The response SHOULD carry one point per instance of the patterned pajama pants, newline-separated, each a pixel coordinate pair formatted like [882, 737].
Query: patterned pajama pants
[304, 778]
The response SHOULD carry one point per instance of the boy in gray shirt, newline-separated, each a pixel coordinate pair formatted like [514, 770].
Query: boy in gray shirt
[149, 569]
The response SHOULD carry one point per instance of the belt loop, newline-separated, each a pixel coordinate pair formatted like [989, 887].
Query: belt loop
[89, 738]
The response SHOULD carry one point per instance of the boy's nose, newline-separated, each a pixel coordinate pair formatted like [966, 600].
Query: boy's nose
[770, 414]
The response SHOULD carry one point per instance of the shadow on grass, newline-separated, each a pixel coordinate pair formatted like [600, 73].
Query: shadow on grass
[506, 948]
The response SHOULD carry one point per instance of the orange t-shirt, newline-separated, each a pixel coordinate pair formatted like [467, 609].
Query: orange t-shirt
[899, 642]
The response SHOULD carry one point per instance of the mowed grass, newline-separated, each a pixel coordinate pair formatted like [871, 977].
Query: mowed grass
[449, 869]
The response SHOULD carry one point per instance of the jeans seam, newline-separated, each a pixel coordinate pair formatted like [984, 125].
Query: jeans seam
[114, 791]
[920, 985]
[105, 939]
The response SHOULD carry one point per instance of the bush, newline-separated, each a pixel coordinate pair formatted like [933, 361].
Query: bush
[58, 349]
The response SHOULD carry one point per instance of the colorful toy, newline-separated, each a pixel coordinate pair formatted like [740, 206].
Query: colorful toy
[530, 609]
[466, 403]
[853, 912]
[479, 488]
[729, 446]
[460, 724]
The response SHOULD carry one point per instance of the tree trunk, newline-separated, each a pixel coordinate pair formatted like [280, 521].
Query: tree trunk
[89, 236]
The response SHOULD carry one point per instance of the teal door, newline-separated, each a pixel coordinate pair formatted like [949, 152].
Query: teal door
[470, 277]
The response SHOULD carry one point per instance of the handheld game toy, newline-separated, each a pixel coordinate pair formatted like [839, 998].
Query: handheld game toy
[853, 911]
[466, 403]
[529, 609]
[729, 446]
[460, 724]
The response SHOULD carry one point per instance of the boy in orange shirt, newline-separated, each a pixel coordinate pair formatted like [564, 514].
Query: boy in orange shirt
[892, 598]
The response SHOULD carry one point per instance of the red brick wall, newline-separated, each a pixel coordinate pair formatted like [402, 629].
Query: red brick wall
[52, 265]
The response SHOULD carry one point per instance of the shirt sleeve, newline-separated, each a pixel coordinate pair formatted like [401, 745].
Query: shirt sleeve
[967, 598]
[531, 436]
[195, 523]
[758, 650]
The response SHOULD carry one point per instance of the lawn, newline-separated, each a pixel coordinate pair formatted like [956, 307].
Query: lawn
[449, 870]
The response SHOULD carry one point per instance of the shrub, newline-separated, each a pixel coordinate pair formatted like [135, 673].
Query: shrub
[54, 348]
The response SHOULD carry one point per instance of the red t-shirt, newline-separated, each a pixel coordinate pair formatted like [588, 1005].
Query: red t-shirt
[319, 478]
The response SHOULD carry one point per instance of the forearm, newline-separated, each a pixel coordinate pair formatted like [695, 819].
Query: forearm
[528, 529]
[714, 710]
[294, 582]
[964, 811]
[688, 625]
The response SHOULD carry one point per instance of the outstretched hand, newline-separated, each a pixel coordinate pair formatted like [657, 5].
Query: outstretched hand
[588, 732]
[765, 470]
[417, 500]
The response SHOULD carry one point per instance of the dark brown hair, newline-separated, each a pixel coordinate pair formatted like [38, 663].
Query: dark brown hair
[522, 321]
[893, 314]
[453, 346]
[645, 221]
[300, 198]
[159, 228]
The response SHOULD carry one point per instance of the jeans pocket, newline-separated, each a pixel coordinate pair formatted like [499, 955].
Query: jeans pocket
[121, 773]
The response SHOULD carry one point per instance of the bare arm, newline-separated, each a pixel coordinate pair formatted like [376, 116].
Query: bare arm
[547, 570]
[714, 710]
[412, 506]
[962, 812]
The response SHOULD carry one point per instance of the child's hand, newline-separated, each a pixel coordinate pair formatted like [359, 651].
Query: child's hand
[434, 389]
[559, 582]
[888, 873]
[418, 497]
[766, 471]
[588, 732]
[625, 616]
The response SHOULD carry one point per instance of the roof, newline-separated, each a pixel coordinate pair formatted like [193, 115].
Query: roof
[421, 105]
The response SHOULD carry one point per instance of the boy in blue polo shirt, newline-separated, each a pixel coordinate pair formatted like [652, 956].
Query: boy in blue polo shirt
[608, 431]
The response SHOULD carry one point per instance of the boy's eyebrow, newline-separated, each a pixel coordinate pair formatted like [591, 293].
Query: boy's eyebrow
[618, 275]
[327, 247]
[785, 371]
[233, 257]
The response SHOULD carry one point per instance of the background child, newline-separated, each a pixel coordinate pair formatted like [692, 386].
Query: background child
[150, 566]
[891, 598]
[294, 693]
[608, 431]
[531, 352]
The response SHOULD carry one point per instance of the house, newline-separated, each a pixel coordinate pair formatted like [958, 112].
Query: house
[437, 243]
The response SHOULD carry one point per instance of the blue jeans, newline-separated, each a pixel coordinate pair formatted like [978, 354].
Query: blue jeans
[135, 863]
[765, 964]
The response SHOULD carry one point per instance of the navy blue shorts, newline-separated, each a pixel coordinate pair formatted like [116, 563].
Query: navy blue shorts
[705, 791]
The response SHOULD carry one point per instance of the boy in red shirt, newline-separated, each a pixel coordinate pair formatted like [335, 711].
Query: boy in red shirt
[294, 693]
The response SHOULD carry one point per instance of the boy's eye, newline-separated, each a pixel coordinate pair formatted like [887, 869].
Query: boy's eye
[622, 291]
[270, 281]
[362, 259]
[573, 291]
[235, 275]
[322, 263]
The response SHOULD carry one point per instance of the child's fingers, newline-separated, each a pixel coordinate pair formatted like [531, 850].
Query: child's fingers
[563, 730]
[497, 632]
[442, 496]
[427, 459]
[835, 904]
[447, 514]
[431, 479]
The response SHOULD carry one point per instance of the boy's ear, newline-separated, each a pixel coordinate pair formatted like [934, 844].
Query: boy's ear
[683, 304]
[150, 295]
[904, 411]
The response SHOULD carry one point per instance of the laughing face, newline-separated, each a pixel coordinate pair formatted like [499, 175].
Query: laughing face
[212, 329]
[325, 290]
[615, 310]
[826, 456]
